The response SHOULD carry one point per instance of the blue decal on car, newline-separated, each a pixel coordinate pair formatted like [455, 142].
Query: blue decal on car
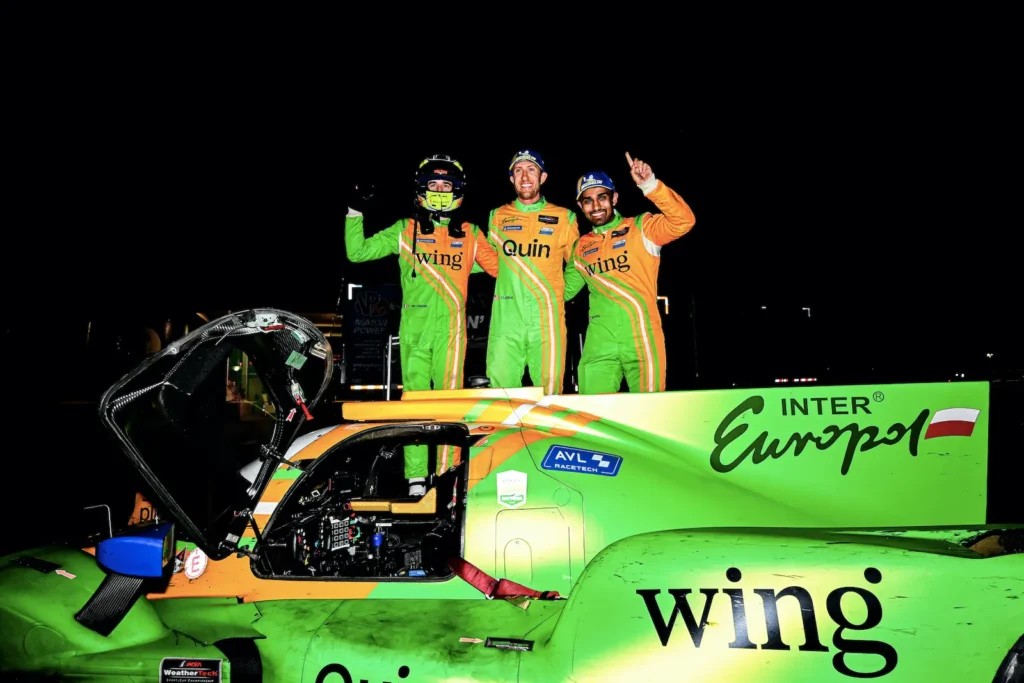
[581, 461]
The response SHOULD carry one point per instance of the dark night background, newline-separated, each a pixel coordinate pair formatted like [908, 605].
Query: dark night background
[882, 214]
[890, 235]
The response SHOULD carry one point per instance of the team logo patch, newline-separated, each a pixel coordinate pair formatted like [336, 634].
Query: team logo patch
[620, 233]
[548, 219]
[547, 231]
[620, 243]
[512, 227]
[456, 245]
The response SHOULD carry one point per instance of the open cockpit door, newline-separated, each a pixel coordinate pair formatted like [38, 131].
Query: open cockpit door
[173, 417]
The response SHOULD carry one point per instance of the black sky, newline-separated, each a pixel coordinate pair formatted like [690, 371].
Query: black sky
[881, 206]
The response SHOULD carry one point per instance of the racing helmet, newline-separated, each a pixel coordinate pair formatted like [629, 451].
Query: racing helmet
[440, 167]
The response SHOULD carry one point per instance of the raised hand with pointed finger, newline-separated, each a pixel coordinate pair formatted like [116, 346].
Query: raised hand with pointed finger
[619, 261]
[640, 171]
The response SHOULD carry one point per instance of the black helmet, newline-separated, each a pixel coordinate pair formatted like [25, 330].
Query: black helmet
[440, 167]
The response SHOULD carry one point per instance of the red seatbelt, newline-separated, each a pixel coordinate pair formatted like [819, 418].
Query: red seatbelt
[492, 587]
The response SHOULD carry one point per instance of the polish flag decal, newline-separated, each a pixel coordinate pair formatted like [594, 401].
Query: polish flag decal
[952, 422]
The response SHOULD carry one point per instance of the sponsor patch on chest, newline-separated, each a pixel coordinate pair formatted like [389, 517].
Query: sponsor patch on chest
[456, 245]
[588, 252]
[548, 219]
[620, 233]
[547, 231]
[512, 227]
[618, 244]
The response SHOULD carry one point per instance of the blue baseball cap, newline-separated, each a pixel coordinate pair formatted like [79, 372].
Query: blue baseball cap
[526, 155]
[593, 179]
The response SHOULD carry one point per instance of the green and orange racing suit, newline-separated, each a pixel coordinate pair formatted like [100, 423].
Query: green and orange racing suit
[432, 329]
[619, 264]
[527, 327]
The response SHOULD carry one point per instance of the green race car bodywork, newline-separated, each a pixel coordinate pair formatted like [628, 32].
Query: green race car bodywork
[798, 533]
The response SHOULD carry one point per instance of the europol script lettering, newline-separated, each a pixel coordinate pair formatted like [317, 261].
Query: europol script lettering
[731, 450]
[567, 459]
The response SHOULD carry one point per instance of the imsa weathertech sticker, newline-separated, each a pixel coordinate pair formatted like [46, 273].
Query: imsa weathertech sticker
[180, 669]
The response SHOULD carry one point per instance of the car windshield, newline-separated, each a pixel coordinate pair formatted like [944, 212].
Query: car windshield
[194, 433]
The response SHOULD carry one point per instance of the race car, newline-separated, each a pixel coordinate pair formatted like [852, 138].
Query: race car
[783, 534]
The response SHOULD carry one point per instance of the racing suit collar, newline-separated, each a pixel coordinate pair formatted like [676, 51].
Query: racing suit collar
[536, 206]
[610, 225]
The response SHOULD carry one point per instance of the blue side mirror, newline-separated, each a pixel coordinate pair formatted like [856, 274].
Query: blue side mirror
[143, 553]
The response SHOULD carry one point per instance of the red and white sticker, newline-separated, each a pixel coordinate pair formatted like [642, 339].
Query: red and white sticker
[195, 564]
[179, 561]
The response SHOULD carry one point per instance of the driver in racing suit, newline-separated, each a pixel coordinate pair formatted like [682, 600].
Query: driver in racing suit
[436, 251]
[533, 239]
[619, 262]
